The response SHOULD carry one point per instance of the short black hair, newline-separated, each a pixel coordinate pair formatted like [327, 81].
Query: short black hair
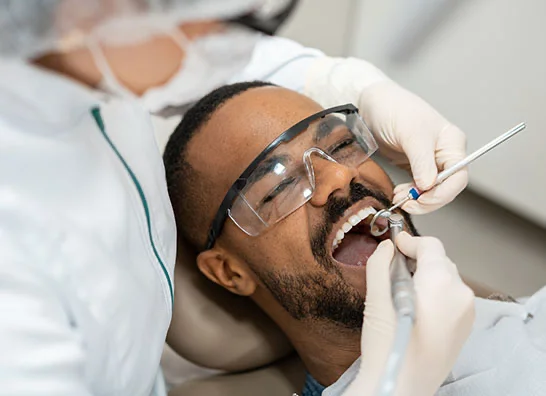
[187, 190]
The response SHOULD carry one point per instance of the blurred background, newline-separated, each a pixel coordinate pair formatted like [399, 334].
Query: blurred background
[480, 63]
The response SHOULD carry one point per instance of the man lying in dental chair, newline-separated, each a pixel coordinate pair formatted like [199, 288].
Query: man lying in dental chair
[292, 234]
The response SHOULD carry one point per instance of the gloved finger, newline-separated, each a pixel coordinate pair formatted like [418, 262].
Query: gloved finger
[450, 147]
[419, 248]
[428, 255]
[421, 156]
[402, 188]
[436, 198]
[401, 191]
[377, 271]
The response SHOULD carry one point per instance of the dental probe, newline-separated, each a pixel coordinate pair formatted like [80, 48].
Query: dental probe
[403, 300]
[414, 193]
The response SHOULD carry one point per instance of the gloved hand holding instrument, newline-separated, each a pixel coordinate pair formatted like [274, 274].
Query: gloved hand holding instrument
[444, 311]
[414, 193]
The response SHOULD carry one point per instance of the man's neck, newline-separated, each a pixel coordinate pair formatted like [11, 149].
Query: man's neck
[327, 351]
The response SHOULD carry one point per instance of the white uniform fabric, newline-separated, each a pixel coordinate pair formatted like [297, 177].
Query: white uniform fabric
[87, 242]
[504, 355]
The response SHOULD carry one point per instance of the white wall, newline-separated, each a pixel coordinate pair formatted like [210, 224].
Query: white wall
[322, 24]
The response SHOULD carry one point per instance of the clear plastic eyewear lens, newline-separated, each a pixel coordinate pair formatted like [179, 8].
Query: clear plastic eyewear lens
[280, 185]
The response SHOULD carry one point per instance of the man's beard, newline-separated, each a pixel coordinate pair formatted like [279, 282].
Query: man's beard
[325, 296]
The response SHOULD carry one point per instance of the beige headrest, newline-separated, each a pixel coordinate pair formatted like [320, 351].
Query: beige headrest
[214, 328]
[282, 378]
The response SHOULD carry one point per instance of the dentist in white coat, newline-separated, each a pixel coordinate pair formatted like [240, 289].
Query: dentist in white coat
[87, 234]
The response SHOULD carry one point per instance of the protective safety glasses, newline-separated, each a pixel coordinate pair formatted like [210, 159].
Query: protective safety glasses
[268, 17]
[282, 178]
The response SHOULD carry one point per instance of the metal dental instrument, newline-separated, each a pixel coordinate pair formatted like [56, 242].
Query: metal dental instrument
[401, 280]
[403, 298]
[414, 193]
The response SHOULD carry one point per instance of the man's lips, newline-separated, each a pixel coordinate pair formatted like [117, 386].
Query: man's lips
[352, 232]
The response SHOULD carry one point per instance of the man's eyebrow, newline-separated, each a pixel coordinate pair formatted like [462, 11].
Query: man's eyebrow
[325, 126]
[269, 165]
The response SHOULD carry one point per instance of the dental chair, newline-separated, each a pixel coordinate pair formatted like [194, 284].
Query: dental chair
[219, 330]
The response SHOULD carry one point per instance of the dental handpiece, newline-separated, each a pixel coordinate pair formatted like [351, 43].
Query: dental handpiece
[414, 193]
[403, 297]
[401, 281]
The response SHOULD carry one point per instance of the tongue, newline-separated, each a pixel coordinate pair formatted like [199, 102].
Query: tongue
[355, 249]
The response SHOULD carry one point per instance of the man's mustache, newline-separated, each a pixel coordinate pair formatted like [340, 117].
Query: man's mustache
[336, 206]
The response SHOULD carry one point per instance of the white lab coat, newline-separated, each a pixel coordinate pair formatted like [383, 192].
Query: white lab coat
[87, 234]
[86, 262]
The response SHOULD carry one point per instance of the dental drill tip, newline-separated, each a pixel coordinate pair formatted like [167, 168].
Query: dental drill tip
[396, 219]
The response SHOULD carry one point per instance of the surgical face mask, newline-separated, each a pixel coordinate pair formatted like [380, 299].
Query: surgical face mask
[209, 62]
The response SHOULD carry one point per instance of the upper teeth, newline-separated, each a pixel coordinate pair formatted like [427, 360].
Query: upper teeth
[350, 223]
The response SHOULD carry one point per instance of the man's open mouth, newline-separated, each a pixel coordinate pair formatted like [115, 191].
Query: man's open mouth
[351, 241]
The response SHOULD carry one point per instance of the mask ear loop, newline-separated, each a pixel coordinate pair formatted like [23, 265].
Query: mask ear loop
[104, 67]
[180, 38]
[97, 53]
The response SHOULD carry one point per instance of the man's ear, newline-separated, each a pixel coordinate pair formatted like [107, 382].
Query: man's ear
[226, 271]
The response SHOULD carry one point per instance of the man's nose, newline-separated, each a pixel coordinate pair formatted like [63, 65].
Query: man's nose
[330, 178]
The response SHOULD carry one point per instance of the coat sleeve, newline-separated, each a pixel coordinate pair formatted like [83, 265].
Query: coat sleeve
[280, 61]
[329, 81]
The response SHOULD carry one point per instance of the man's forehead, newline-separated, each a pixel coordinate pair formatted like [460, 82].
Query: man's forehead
[240, 129]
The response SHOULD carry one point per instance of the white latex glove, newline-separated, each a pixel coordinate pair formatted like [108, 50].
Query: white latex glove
[409, 131]
[444, 319]
[416, 137]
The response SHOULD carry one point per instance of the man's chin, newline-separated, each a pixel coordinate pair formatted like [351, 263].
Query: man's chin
[322, 297]
[355, 277]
